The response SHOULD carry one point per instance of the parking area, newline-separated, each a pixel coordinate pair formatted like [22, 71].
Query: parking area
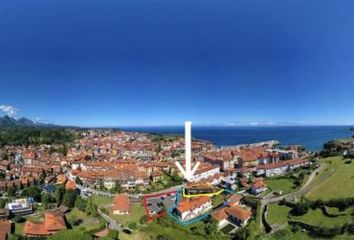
[156, 204]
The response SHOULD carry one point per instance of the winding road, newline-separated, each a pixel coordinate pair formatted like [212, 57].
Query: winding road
[291, 196]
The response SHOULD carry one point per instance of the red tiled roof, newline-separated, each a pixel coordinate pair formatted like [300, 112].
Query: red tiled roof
[121, 203]
[219, 214]
[258, 183]
[37, 229]
[281, 164]
[233, 199]
[5, 228]
[239, 212]
[70, 185]
[52, 222]
[187, 204]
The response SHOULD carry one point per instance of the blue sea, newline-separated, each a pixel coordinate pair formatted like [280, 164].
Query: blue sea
[311, 137]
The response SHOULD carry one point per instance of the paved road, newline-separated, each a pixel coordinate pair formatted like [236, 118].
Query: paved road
[107, 194]
[96, 192]
[112, 224]
[291, 196]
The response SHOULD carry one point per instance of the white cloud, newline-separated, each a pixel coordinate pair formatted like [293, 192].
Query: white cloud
[8, 110]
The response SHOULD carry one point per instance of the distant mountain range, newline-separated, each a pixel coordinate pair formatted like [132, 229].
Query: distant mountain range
[9, 122]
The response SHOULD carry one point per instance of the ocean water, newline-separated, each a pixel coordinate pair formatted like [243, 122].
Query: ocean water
[311, 137]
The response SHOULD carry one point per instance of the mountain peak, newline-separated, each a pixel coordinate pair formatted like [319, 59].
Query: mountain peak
[7, 122]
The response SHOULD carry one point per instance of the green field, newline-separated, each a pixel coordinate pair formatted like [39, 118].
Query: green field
[19, 228]
[173, 231]
[316, 218]
[277, 214]
[218, 199]
[336, 211]
[102, 201]
[76, 234]
[88, 222]
[280, 184]
[335, 181]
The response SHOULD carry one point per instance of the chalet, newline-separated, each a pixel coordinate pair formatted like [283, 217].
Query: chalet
[121, 204]
[258, 186]
[238, 215]
[233, 212]
[53, 222]
[220, 216]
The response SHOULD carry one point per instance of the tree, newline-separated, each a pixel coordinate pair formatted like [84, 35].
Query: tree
[113, 234]
[101, 185]
[11, 191]
[117, 187]
[132, 225]
[2, 174]
[69, 198]
[80, 203]
[46, 199]
[2, 202]
[33, 192]
[301, 208]
[211, 228]
[241, 234]
[78, 181]
[58, 194]
[143, 220]
[91, 208]
[4, 156]
[42, 177]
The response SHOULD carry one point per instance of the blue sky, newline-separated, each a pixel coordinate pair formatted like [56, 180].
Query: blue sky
[119, 63]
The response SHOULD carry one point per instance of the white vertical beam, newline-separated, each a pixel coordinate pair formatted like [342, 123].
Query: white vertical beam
[187, 146]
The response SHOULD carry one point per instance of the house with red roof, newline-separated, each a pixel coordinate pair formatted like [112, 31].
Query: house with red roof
[5, 229]
[53, 222]
[121, 204]
[189, 208]
[233, 213]
[258, 186]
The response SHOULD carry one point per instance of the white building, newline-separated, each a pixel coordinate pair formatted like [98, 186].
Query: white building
[189, 208]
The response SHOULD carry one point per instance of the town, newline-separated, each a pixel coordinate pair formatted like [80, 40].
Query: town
[107, 183]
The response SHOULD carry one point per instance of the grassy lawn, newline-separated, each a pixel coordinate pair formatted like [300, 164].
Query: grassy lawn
[173, 231]
[337, 185]
[137, 211]
[218, 199]
[280, 184]
[76, 234]
[336, 211]
[277, 214]
[228, 228]
[316, 218]
[88, 222]
[287, 234]
[102, 201]
[36, 219]
[19, 228]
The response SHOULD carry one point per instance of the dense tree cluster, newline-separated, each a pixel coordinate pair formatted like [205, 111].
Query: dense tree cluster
[34, 136]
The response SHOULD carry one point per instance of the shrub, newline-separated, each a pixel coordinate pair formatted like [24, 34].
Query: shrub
[143, 220]
[132, 225]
